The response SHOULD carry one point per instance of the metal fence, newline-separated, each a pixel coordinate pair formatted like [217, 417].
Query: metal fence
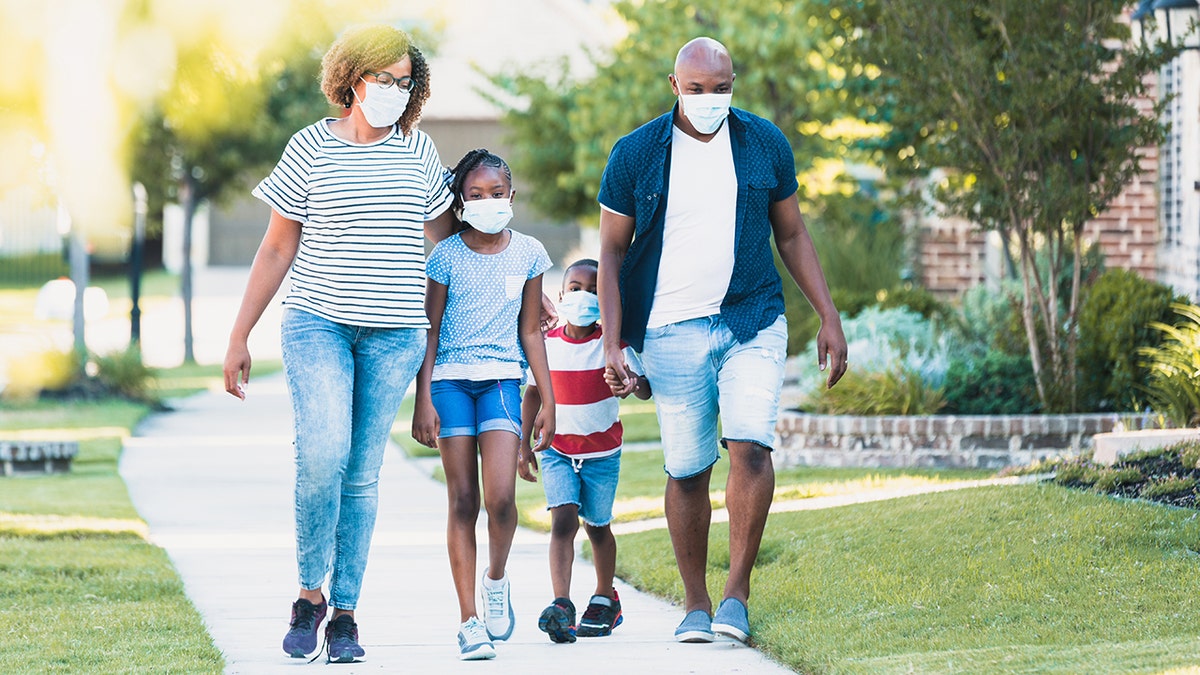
[32, 249]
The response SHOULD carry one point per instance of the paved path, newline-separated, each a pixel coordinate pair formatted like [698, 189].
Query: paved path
[213, 481]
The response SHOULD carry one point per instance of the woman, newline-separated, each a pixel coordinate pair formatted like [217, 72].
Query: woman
[349, 201]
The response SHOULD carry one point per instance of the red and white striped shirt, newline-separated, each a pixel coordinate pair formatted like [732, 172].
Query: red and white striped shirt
[586, 412]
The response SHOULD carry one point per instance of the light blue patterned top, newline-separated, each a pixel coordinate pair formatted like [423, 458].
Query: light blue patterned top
[479, 335]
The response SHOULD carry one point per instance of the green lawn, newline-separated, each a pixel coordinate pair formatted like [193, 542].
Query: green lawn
[80, 589]
[1031, 578]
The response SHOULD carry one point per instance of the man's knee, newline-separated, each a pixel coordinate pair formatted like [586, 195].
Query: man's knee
[752, 458]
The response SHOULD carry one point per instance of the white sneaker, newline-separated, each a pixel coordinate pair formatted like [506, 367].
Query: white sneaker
[473, 641]
[497, 608]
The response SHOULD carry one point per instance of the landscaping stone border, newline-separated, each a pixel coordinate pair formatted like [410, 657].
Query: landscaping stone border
[932, 441]
[26, 457]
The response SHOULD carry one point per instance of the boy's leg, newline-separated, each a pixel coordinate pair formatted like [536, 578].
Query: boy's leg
[564, 525]
[604, 557]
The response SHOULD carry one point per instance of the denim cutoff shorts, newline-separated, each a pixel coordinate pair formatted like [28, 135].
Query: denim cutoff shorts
[471, 407]
[590, 484]
[700, 374]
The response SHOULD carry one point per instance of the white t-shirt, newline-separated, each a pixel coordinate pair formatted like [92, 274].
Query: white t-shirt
[699, 229]
[362, 210]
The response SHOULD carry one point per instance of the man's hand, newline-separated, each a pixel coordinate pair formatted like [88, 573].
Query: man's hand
[831, 351]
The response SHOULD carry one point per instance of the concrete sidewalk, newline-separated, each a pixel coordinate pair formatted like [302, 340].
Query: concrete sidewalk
[213, 479]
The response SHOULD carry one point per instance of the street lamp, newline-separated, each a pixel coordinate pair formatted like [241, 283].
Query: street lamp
[1183, 14]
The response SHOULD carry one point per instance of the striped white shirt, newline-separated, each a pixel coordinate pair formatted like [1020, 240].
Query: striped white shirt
[363, 210]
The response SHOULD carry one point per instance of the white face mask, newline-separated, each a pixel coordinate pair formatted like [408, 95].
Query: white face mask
[382, 106]
[579, 308]
[489, 216]
[706, 112]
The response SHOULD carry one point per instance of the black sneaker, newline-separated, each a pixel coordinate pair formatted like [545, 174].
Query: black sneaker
[301, 638]
[601, 616]
[341, 634]
[558, 620]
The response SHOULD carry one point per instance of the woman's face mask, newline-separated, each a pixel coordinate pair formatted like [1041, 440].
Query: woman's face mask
[382, 106]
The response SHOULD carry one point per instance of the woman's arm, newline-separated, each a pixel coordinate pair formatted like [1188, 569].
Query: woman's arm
[271, 265]
[426, 425]
[534, 344]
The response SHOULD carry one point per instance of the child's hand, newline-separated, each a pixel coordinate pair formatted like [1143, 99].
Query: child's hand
[426, 424]
[543, 429]
[527, 464]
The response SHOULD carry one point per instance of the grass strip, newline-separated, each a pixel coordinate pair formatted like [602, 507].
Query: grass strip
[986, 580]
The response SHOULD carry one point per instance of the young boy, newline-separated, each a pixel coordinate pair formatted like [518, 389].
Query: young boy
[580, 469]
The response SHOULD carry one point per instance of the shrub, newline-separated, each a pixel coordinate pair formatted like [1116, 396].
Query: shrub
[30, 374]
[1115, 318]
[898, 391]
[997, 384]
[1110, 479]
[1168, 487]
[1077, 473]
[1173, 386]
[1189, 454]
[124, 374]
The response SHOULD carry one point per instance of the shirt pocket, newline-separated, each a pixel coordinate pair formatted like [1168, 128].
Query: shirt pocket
[513, 286]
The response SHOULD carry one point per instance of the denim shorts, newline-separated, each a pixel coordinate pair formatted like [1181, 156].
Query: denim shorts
[700, 373]
[471, 407]
[590, 484]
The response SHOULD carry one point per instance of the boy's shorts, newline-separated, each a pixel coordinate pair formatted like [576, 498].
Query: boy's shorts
[471, 407]
[590, 484]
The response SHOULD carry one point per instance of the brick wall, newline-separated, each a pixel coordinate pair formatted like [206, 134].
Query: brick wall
[932, 441]
[952, 253]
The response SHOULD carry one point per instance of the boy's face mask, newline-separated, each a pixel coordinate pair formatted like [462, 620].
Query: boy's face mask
[579, 308]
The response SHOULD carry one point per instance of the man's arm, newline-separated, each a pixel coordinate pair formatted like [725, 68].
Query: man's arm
[800, 257]
[616, 234]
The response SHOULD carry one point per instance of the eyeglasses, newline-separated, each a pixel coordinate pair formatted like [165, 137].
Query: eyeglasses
[386, 79]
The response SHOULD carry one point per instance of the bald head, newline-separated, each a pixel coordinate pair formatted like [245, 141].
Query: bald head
[704, 54]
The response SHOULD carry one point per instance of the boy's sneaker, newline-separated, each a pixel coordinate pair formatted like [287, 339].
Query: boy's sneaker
[341, 634]
[473, 641]
[695, 627]
[732, 620]
[301, 638]
[601, 616]
[558, 620]
[497, 607]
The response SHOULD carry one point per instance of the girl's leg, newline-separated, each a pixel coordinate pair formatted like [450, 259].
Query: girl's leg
[564, 525]
[604, 557]
[461, 466]
[498, 452]
[385, 362]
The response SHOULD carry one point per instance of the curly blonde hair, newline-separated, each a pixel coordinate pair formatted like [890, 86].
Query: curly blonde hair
[373, 48]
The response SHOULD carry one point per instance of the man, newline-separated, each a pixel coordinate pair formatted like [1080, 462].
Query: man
[689, 202]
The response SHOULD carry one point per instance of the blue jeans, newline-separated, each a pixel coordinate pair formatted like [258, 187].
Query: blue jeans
[346, 384]
[699, 372]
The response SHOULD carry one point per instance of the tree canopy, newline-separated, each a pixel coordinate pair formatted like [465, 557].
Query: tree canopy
[1034, 111]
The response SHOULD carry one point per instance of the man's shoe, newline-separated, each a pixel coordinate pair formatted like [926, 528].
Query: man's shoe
[732, 620]
[695, 627]
[341, 635]
[601, 616]
[558, 620]
[301, 638]
[473, 641]
[497, 607]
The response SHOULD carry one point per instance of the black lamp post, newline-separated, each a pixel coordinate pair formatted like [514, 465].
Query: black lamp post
[136, 255]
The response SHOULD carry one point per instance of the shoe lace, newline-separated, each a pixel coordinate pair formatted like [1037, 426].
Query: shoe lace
[474, 631]
[594, 612]
[495, 601]
[334, 631]
[303, 614]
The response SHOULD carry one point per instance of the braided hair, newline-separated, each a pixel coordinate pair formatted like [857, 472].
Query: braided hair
[373, 48]
[469, 162]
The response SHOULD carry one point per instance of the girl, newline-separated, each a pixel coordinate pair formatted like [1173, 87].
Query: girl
[483, 300]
